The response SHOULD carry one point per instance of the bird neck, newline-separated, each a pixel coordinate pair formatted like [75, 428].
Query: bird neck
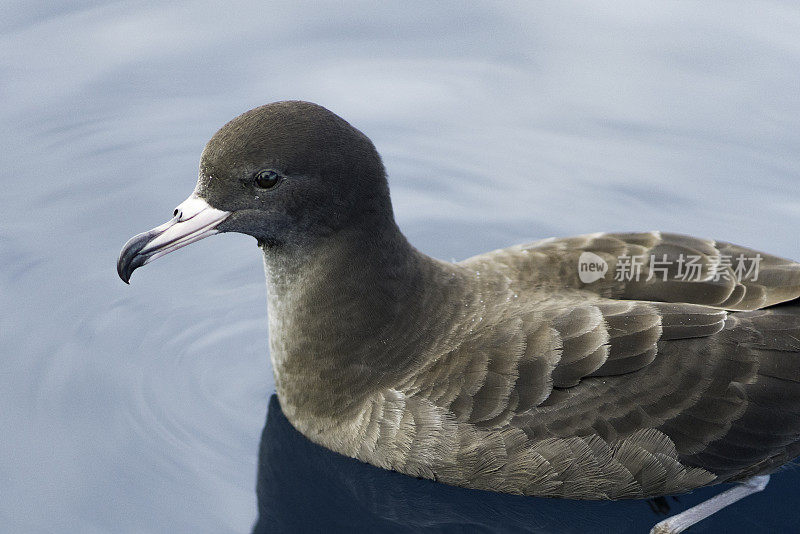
[340, 311]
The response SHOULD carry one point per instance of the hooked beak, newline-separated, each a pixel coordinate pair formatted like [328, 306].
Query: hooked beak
[193, 220]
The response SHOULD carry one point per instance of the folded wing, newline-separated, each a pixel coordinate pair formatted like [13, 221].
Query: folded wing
[652, 266]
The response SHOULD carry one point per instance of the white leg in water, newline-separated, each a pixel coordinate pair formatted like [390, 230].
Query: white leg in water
[695, 514]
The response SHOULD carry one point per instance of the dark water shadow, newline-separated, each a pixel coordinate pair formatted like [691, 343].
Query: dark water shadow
[303, 487]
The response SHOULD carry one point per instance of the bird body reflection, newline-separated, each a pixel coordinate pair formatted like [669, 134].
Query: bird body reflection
[303, 487]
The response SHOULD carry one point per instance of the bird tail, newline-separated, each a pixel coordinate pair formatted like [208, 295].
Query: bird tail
[767, 435]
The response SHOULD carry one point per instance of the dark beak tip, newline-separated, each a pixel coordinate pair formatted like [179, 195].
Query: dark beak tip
[129, 258]
[122, 271]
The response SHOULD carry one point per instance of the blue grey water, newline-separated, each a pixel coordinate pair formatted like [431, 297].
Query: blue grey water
[140, 409]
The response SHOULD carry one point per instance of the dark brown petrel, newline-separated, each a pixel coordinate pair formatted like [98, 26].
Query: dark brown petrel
[604, 366]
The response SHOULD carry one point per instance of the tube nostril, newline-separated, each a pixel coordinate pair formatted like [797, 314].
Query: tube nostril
[177, 213]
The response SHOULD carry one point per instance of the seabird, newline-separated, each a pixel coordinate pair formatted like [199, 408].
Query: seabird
[603, 366]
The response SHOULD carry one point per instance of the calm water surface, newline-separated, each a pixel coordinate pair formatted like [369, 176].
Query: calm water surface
[140, 409]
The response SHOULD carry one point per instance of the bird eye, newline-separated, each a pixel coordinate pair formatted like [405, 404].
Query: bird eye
[267, 178]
